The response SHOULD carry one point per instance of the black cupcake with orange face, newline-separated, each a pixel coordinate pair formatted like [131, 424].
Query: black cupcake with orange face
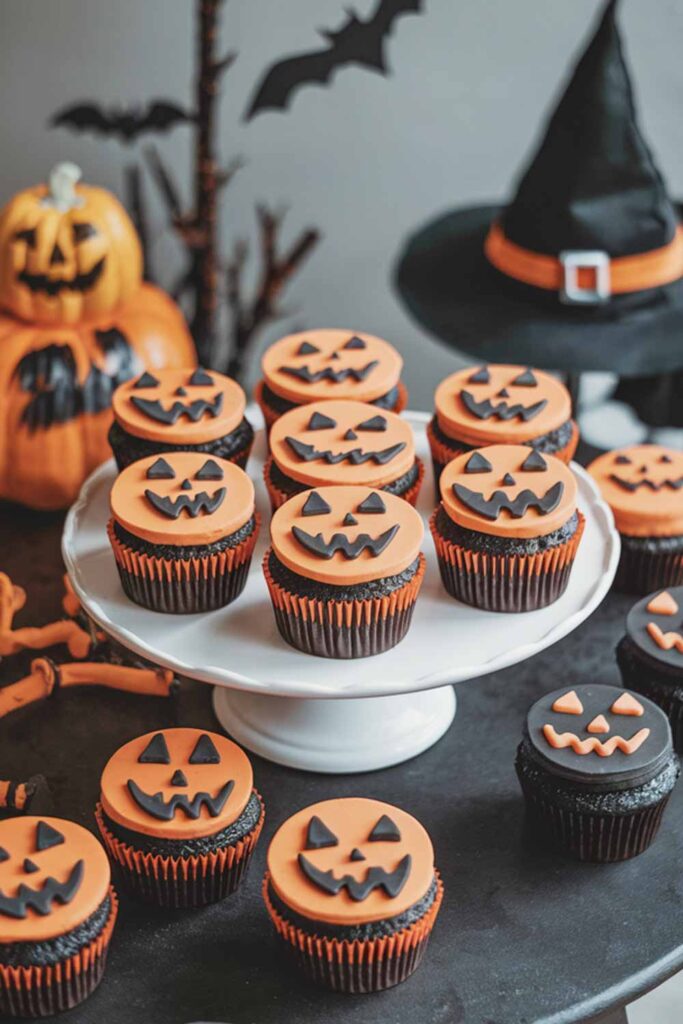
[180, 816]
[597, 766]
[180, 410]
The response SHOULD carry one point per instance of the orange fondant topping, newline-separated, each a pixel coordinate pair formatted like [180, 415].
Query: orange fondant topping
[592, 745]
[365, 366]
[641, 484]
[134, 510]
[662, 604]
[351, 822]
[347, 434]
[396, 555]
[222, 395]
[627, 705]
[19, 840]
[667, 641]
[568, 704]
[511, 482]
[598, 725]
[156, 778]
[477, 385]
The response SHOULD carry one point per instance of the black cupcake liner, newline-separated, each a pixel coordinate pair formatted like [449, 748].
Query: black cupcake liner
[328, 640]
[507, 591]
[197, 593]
[642, 572]
[362, 977]
[665, 692]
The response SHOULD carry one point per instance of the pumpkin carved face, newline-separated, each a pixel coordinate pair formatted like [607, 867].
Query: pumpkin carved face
[643, 485]
[340, 442]
[178, 783]
[501, 403]
[509, 491]
[53, 875]
[346, 535]
[341, 860]
[322, 364]
[67, 252]
[655, 625]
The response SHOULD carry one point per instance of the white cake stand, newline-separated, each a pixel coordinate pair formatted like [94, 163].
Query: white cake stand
[314, 713]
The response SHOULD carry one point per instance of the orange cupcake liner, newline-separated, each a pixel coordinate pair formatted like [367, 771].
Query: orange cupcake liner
[43, 991]
[279, 497]
[176, 882]
[505, 583]
[270, 415]
[361, 965]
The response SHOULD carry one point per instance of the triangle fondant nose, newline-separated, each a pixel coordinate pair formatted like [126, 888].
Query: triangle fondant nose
[598, 725]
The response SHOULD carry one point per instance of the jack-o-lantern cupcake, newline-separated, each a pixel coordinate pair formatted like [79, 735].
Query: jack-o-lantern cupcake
[650, 654]
[180, 410]
[341, 442]
[317, 365]
[507, 529]
[596, 766]
[179, 816]
[183, 529]
[57, 914]
[643, 485]
[344, 570]
[352, 890]
[501, 404]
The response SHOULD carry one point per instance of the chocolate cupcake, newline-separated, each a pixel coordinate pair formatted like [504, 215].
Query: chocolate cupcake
[643, 485]
[344, 570]
[341, 442]
[180, 411]
[596, 766]
[183, 529]
[179, 816]
[57, 914]
[353, 893]
[313, 366]
[650, 655]
[500, 404]
[507, 529]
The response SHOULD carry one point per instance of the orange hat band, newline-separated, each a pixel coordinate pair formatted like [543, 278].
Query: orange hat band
[586, 278]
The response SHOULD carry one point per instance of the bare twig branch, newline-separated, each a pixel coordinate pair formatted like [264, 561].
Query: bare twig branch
[136, 204]
[164, 180]
[219, 67]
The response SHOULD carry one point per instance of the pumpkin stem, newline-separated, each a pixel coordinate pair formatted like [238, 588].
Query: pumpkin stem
[62, 186]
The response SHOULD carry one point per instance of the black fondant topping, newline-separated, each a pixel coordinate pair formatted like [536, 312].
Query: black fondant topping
[490, 508]
[350, 435]
[4, 855]
[356, 456]
[638, 620]
[385, 831]
[181, 392]
[41, 900]
[319, 421]
[373, 504]
[193, 410]
[318, 835]
[355, 343]
[481, 376]
[633, 485]
[350, 520]
[201, 502]
[486, 409]
[526, 380]
[179, 778]
[210, 471]
[477, 463]
[308, 376]
[509, 480]
[306, 349]
[534, 463]
[622, 460]
[205, 751]
[47, 837]
[200, 378]
[160, 470]
[378, 423]
[317, 545]
[156, 751]
[315, 505]
[376, 878]
[357, 854]
[29, 867]
[164, 810]
[146, 381]
[186, 485]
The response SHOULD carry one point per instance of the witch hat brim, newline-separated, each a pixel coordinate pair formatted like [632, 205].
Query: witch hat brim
[450, 288]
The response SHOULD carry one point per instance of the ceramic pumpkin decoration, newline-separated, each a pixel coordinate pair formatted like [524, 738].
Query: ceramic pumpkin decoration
[68, 252]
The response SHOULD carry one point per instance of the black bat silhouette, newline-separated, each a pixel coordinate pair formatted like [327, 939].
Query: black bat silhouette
[126, 122]
[356, 42]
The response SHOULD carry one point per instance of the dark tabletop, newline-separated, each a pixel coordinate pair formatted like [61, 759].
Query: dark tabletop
[523, 937]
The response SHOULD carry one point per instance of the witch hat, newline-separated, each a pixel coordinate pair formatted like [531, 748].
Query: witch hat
[584, 268]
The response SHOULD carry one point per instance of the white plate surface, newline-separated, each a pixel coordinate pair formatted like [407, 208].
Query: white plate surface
[239, 646]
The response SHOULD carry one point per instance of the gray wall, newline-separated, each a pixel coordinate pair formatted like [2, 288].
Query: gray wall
[366, 160]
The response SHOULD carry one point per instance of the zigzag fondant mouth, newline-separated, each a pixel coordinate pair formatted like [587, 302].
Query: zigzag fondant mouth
[356, 457]
[633, 485]
[351, 549]
[376, 878]
[308, 376]
[165, 810]
[193, 410]
[41, 900]
[490, 508]
[172, 507]
[486, 409]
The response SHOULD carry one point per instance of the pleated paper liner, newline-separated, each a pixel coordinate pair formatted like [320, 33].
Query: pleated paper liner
[505, 583]
[344, 629]
[183, 586]
[361, 966]
[665, 691]
[279, 497]
[178, 882]
[641, 572]
[44, 991]
[270, 415]
[593, 837]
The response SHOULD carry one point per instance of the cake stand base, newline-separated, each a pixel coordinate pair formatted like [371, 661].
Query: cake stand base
[336, 736]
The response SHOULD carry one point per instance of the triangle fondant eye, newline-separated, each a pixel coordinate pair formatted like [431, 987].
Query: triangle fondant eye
[568, 704]
[662, 604]
[372, 504]
[200, 378]
[478, 464]
[156, 751]
[355, 343]
[385, 831]
[315, 506]
[319, 421]
[534, 463]
[526, 379]
[622, 460]
[318, 835]
[306, 349]
[480, 376]
[205, 751]
[47, 837]
[160, 470]
[210, 471]
[146, 381]
[627, 705]
[377, 423]
[4, 855]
